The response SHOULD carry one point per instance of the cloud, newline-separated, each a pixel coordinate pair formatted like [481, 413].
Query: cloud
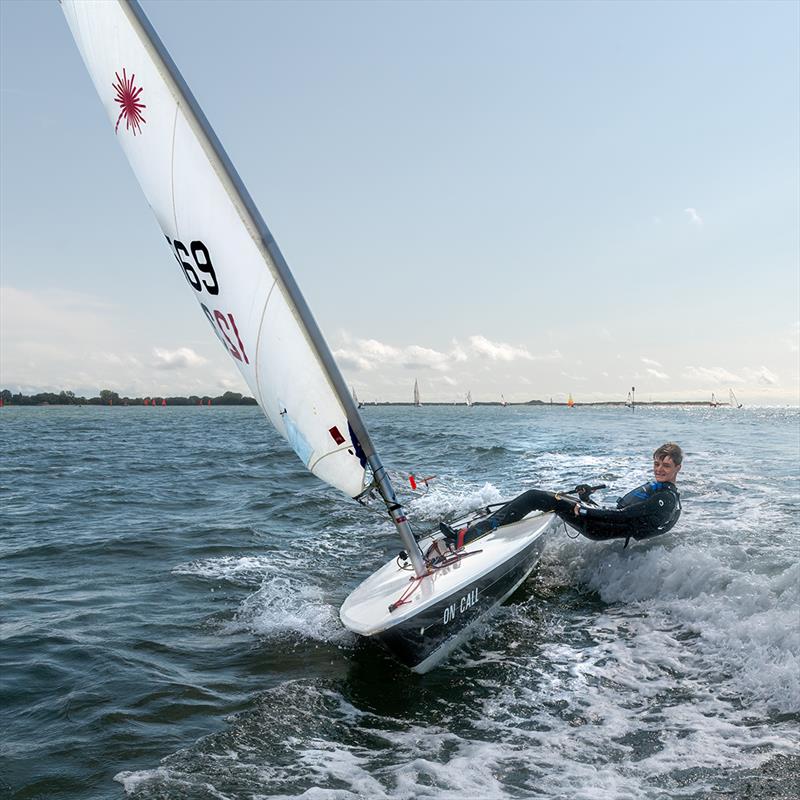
[763, 376]
[372, 348]
[712, 374]
[457, 353]
[176, 359]
[662, 376]
[720, 375]
[497, 351]
[501, 351]
[416, 357]
[366, 355]
[231, 384]
[652, 362]
[353, 361]
[694, 217]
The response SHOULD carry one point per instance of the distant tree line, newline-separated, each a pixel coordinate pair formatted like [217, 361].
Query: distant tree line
[109, 398]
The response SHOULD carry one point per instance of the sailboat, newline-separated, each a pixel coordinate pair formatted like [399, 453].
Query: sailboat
[714, 403]
[570, 401]
[356, 401]
[421, 604]
[469, 399]
[503, 400]
[733, 401]
[416, 394]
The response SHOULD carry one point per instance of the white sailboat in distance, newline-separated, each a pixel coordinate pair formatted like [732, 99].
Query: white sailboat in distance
[416, 394]
[421, 604]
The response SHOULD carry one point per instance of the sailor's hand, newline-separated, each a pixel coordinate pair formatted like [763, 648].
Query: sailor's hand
[577, 509]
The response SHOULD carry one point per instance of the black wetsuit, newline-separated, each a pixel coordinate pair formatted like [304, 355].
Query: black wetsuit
[649, 510]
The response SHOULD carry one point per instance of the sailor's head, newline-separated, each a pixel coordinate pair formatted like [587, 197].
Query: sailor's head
[667, 461]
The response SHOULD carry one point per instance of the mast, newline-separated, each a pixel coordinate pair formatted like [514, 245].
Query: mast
[264, 241]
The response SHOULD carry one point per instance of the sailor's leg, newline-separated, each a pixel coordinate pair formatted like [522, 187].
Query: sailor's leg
[514, 511]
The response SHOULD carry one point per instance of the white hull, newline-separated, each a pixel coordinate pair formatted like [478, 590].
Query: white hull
[423, 620]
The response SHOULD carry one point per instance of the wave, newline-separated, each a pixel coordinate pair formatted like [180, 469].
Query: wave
[736, 628]
[284, 605]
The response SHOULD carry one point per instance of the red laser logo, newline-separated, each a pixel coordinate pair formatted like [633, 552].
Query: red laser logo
[128, 99]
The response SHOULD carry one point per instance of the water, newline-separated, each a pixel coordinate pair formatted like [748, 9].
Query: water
[171, 579]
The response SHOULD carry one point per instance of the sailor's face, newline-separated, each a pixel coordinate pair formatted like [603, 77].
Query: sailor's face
[665, 469]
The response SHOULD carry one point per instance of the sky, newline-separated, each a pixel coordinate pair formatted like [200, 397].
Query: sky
[521, 199]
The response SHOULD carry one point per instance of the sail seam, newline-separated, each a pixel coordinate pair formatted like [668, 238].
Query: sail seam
[341, 449]
[257, 365]
[172, 167]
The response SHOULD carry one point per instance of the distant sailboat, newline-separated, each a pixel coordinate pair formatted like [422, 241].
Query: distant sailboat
[714, 402]
[503, 400]
[469, 399]
[629, 401]
[734, 402]
[356, 400]
[570, 402]
[416, 394]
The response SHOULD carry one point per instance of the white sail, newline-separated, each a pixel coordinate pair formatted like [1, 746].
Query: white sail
[469, 398]
[216, 234]
[416, 394]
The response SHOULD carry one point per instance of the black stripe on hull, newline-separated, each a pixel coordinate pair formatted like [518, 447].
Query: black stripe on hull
[420, 637]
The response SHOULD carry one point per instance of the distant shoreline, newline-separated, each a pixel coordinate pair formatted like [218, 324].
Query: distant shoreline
[110, 398]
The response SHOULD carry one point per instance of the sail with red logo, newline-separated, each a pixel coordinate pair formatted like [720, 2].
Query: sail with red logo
[217, 238]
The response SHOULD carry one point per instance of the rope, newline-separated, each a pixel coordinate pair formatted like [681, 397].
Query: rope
[433, 567]
[404, 598]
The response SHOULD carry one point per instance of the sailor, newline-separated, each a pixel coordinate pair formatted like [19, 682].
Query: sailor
[649, 510]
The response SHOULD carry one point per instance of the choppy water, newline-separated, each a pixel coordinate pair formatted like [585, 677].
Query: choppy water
[171, 579]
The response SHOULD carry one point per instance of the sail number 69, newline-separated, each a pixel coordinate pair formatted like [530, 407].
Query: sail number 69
[194, 260]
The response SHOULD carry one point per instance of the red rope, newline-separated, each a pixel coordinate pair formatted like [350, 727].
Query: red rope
[404, 598]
